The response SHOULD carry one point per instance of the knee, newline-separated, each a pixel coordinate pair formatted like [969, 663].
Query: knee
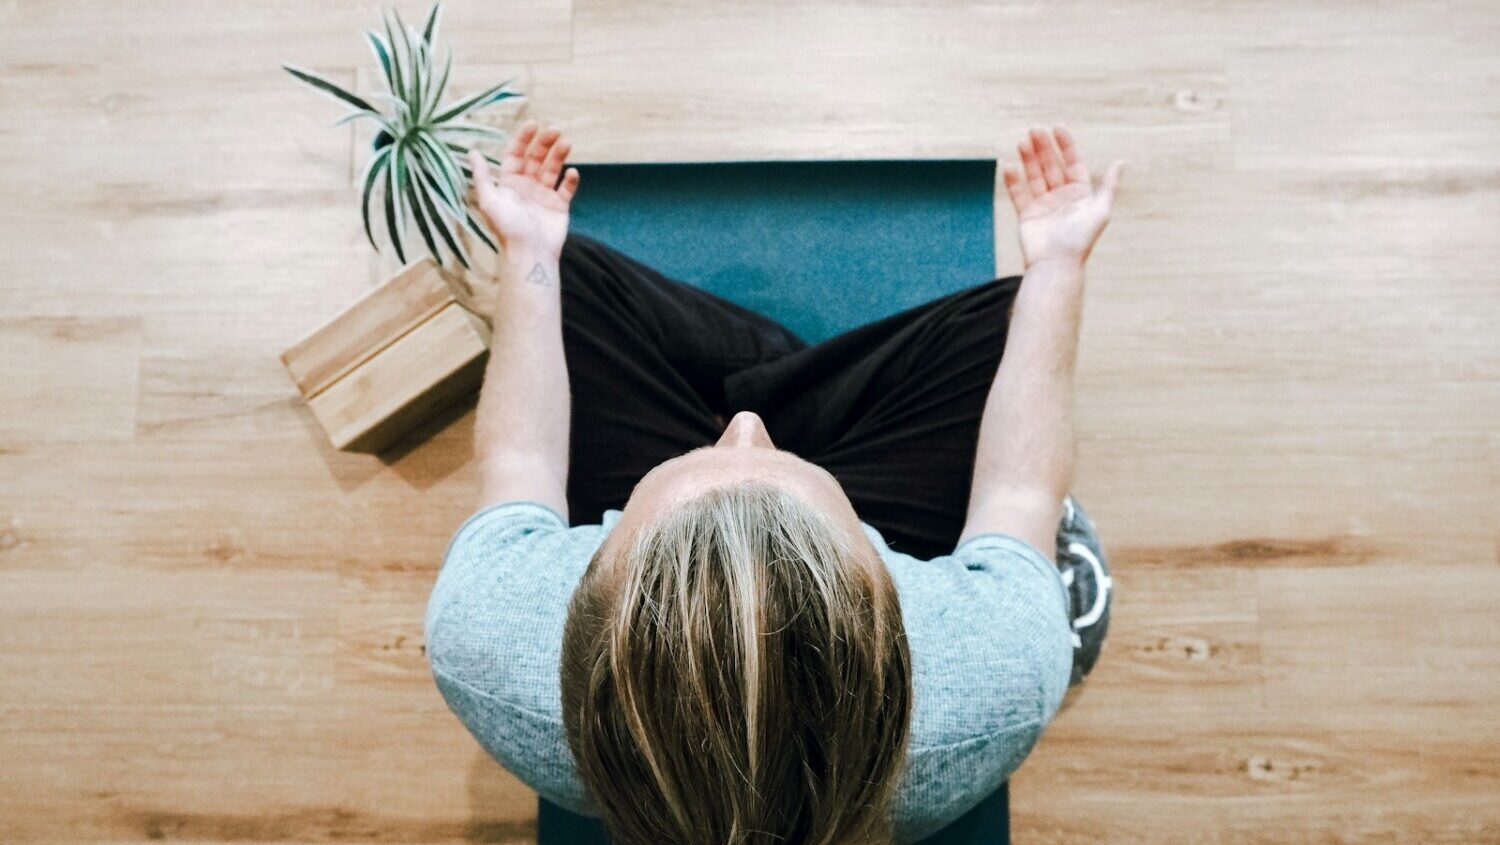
[575, 247]
[580, 261]
[1000, 293]
[576, 241]
[580, 247]
[591, 257]
[983, 312]
[999, 301]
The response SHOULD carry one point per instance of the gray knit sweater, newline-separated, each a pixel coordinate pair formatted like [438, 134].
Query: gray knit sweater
[987, 627]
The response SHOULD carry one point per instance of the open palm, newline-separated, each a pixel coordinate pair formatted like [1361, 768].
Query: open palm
[523, 203]
[1061, 212]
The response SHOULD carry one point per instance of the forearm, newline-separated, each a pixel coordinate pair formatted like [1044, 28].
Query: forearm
[1024, 463]
[521, 426]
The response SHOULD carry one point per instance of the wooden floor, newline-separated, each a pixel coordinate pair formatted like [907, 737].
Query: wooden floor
[210, 622]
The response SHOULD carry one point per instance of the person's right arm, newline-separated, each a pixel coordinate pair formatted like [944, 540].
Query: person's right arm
[1024, 464]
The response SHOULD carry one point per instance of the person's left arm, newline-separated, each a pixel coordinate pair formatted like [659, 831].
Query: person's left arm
[521, 426]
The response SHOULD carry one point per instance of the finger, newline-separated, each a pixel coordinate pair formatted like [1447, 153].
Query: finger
[569, 185]
[1034, 181]
[554, 163]
[1111, 182]
[1020, 195]
[1048, 158]
[515, 155]
[537, 152]
[1072, 159]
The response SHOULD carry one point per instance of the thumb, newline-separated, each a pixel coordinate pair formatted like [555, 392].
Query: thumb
[1111, 182]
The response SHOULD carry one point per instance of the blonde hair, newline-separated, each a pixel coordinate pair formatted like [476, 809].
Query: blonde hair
[739, 675]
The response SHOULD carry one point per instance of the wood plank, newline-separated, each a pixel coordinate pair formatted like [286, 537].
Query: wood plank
[1288, 500]
[843, 79]
[212, 636]
[264, 33]
[1275, 780]
[1412, 640]
[1182, 645]
[69, 378]
[1422, 103]
[123, 773]
[172, 504]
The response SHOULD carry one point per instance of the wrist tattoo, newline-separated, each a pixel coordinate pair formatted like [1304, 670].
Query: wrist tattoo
[538, 275]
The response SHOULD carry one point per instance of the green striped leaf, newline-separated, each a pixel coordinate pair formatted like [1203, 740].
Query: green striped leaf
[392, 195]
[429, 29]
[398, 78]
[327, 87]
[478, 229]
[442, 226]
[382, 55]
[416, 214]
[478, 101]
[440, 166]
[437, 93]
[470, 129]
[359, 115]
[419, 82]
[372, 173]
[463, 158]
[402, 118]
[409, 93]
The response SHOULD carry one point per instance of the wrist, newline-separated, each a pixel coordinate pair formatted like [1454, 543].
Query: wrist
[530, 267]
[524, 256]
[527, 283]
[1059, 263]
[1053, 276]
[1050, 284]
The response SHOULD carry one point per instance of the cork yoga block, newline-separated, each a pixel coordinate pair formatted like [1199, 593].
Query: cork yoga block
[389, 361]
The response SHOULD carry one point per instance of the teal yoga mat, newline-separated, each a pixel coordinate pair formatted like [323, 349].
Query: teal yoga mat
[821, 246]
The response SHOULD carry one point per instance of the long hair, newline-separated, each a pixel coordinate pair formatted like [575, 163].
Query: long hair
[739, 676]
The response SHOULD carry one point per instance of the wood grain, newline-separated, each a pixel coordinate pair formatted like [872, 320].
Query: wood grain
[210, 619]
[69, 378]
[377, 400]
[364, 329]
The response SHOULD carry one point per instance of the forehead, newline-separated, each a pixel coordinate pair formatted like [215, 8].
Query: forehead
[691, 472]
[694, 473]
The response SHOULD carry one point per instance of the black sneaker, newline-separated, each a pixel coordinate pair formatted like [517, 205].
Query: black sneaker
[1085, 574]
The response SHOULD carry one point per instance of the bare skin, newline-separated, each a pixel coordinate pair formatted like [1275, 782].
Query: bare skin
[743, 453]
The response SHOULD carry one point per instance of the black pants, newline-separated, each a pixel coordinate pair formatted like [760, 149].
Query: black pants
[891, 409]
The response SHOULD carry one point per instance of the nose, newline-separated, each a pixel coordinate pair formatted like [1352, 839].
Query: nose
[746, 429]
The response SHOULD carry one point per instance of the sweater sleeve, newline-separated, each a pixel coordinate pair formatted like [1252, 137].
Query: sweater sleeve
[992, 655]
[1038, 605]
[494, 638]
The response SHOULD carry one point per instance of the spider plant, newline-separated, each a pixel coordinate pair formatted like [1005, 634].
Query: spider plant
[418, 165]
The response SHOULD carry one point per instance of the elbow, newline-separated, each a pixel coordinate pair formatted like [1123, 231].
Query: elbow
[1038, 502]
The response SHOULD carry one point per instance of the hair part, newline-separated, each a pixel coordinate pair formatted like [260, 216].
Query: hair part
[738, 676]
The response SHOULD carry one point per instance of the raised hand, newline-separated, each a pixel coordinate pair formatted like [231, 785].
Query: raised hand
[524, 203]
[1061, 212]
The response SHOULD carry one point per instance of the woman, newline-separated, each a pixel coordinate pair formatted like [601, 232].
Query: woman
[835, 618]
